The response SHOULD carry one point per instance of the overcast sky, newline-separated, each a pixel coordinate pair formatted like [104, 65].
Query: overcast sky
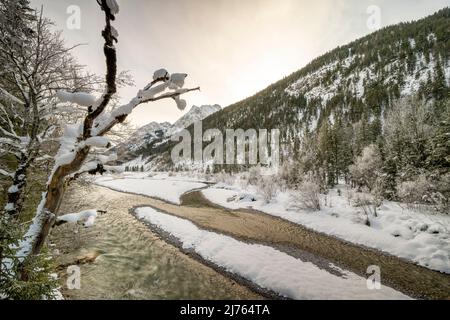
[231, 48]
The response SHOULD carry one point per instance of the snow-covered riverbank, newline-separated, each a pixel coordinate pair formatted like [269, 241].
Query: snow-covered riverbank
[161, 186]
[421, 237]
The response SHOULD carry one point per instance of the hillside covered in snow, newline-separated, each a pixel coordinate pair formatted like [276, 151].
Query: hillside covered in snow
[147, 137]
[350, 88]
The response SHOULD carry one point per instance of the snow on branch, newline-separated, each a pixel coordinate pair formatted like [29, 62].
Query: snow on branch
[10, 97]
[177, 80]
[66, 151]
[161, 74]
[6, 173]
[86, 216]
[99, 142]
[76, 143]
[170, 88]
[80, 98]
[110, 7]
[181, 103]
[113, 6]
[98, 165]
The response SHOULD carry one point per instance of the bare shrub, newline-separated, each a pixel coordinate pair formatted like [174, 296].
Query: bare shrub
[288, 174]
[267, 188]
[225, 178]
[350, 195]
[368, 206]
[306, 195]
[254, 174]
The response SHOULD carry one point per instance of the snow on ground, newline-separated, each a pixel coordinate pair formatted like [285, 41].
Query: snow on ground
[265, 266]
[160, 185]
[419, 237]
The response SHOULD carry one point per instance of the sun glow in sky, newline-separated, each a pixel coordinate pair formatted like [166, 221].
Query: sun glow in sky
[231, 48]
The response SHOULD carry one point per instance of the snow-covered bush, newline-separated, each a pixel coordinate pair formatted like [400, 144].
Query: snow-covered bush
[307, 195]
[441, 196]
[367, 168]
[412, 192]
[225, 178]
[420, 191]
[288, 174]
[267, 188]
[368, 205]
[254, 174]
[350, 195]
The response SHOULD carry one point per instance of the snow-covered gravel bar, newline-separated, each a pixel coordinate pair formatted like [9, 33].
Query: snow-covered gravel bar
[423, 238]
[159, 186]
[266, 266]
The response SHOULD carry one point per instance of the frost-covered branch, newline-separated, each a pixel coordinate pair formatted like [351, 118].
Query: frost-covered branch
[87, 217]
[6, 173]
[73, 157]
[171, 87]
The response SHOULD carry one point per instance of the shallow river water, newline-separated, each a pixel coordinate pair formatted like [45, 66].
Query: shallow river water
[132, 262]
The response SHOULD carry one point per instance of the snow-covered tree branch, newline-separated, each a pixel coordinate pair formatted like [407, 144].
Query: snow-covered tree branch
[36, 64]
[78, 141]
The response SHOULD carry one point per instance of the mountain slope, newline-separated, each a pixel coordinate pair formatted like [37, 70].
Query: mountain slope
[150, 136]
[353, 84]
[354, 81]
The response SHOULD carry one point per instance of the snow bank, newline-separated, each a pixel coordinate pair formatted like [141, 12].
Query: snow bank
[265, 266]
[161, 187]
[418, 237]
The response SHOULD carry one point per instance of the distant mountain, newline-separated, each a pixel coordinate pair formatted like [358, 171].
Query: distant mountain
[194, 115]
[150, 132]
[153, 134]
[353, 84]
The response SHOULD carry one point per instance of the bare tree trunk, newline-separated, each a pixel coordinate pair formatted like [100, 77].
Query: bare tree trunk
[54, 196]
[16, 195]
[56, 185]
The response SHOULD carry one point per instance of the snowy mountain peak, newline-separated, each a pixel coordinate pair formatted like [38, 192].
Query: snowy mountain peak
[157, 132]
[195, 114]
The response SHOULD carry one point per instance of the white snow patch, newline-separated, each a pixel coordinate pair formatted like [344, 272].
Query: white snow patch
[97, 141]
[419, 237]
[161, 187]
[265, 266]
[13, 189]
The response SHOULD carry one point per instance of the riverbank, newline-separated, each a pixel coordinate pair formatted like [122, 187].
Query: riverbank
[245, 225]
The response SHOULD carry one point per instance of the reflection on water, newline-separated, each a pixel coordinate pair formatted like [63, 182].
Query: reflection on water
[133, 262]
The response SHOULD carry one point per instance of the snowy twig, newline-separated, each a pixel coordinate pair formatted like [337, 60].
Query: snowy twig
[6, 173]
